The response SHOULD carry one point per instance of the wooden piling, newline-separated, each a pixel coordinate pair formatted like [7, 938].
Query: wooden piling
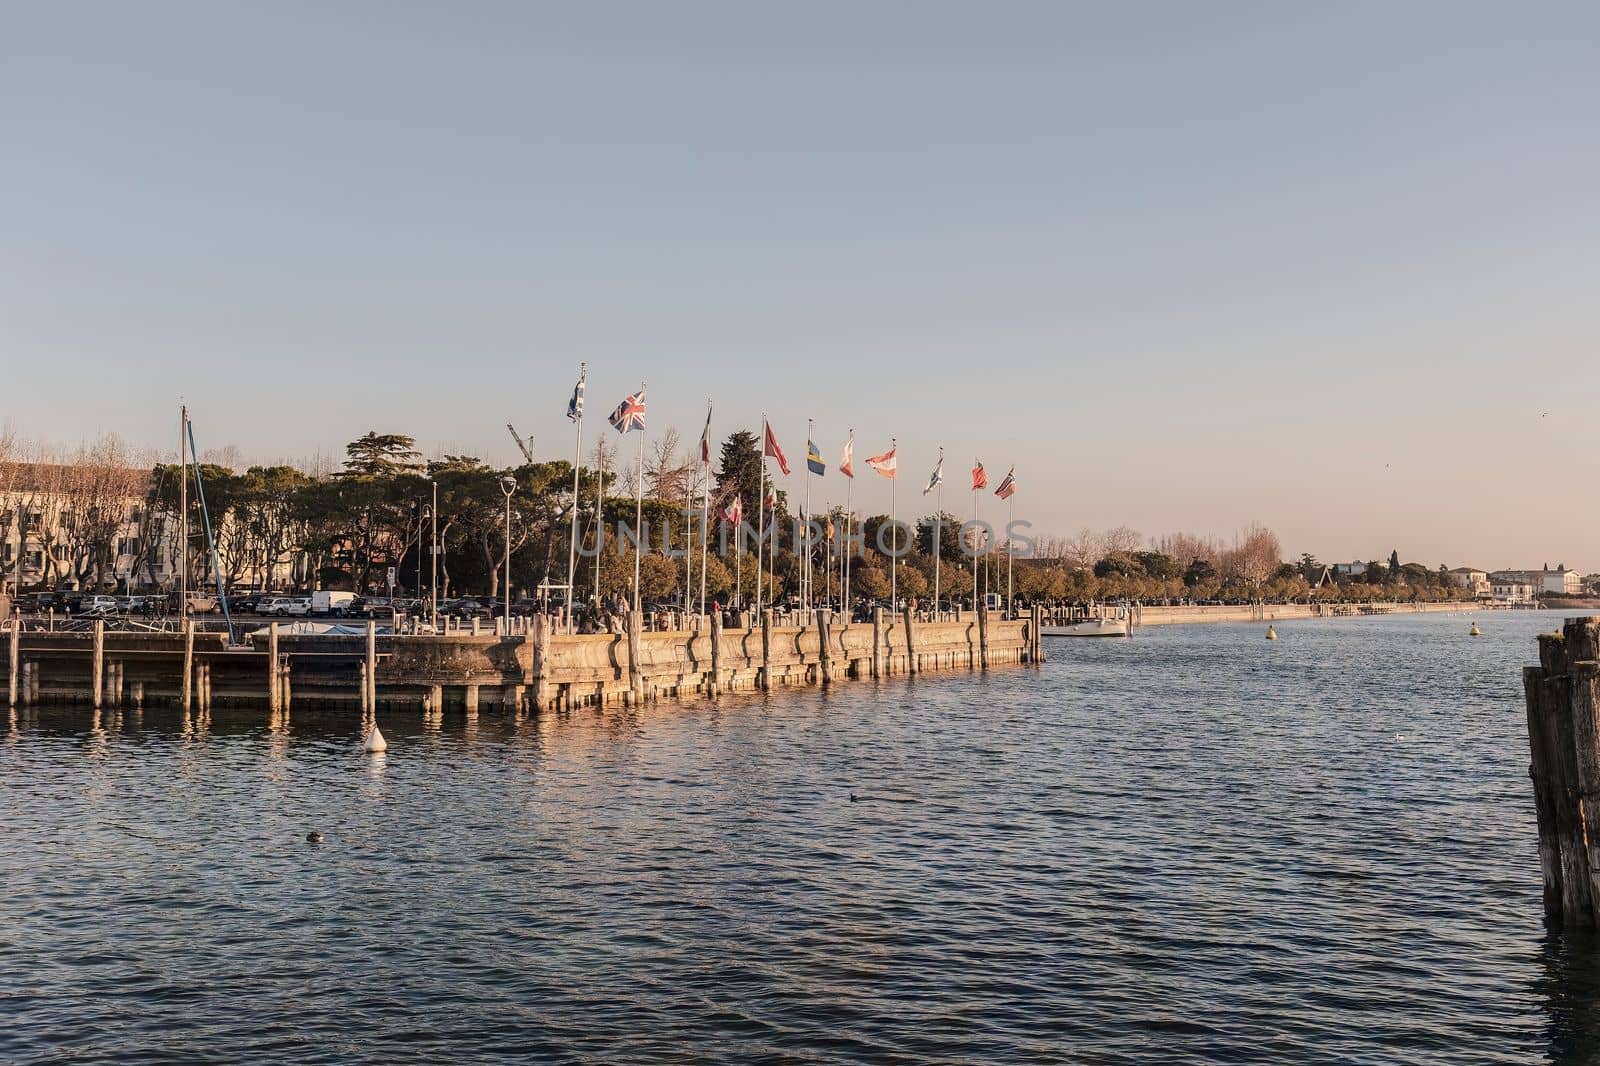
[274, 689]
[98, 674]
[187, 695]
[372, 666]
[877, 642]
[983, 635]
[435, 700]
[766, 649]
[15, 663]
[714, 685]
[911, 643]
[539, 638]
[824, 653]
[138, 695]
[635, 673]
[1563, 697]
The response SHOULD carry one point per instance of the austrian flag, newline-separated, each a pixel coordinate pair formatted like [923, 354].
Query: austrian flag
[887, 464]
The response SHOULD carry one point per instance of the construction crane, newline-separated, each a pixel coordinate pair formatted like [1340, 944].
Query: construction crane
[527, 452]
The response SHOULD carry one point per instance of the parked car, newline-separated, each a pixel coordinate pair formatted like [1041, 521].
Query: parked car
[286, 606]
[97, 607]
[465, 608]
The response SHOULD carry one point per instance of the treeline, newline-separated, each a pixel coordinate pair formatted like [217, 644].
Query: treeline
[289, 526]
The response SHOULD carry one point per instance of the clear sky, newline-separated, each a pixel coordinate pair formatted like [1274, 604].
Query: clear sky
[1330, 267]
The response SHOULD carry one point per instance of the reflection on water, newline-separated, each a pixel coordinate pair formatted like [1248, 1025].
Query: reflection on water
[1194, 846]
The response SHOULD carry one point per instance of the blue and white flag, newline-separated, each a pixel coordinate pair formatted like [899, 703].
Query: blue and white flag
[575, 405]
[937, 477]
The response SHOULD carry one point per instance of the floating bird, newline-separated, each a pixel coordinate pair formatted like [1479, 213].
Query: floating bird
[313, 837]
[374, 741]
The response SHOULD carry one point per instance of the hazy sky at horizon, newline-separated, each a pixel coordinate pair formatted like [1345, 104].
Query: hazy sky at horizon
[1332, 268]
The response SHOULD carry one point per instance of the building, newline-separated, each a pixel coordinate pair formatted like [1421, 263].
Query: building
[1511, 592]
[1473, 579]
[81, 527]
[1349, 569]
[1561, 582]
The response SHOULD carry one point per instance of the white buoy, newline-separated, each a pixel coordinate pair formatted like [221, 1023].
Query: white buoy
[374, 741]
[1272, 634]
[1473, 631]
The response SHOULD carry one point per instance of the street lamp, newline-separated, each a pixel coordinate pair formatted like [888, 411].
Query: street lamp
[508, 485]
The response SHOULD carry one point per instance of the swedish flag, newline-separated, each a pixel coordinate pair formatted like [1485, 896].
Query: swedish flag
[814, 459]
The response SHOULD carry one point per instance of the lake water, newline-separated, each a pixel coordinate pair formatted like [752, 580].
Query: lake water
[1196, 846]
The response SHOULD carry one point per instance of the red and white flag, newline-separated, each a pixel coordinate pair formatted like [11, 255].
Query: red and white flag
[980, 480]
[887, 464]
[774, 451]
[735, 512]
[847, 464]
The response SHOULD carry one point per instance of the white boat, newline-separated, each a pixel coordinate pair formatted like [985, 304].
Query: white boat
[1093, 627]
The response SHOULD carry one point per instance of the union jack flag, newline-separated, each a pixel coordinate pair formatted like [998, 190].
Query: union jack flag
[629, 414]
[1007, 486]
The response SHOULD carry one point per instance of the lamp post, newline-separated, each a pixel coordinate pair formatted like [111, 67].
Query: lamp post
[508, 485]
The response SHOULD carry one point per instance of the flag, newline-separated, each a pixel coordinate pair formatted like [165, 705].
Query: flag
[814, 461]
[827, 531]
[629, 414]
[772, 498]
[980, 480]
[847, 464]
[705, 440]
[575, 405]
[887, 464]
[735, 512]
[776, 452]
[936, 478]
[1008, 486]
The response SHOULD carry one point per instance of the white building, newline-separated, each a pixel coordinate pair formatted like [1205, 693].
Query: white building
[78, 528]
[1561, 582]
[1510, 592]
[1470, 578]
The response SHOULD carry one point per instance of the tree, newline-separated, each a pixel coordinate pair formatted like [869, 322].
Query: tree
[740, 471]
[1394, 562]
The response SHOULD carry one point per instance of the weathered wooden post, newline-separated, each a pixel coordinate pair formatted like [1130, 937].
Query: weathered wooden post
[15, 663]
[274, 690]
[365, 710]
[766, 649]
[138, 695]
[1036, 637]
[372, 666]
[983, 635]
[98, 674]
[716, 654]
[911, 644]
[635, 675]
[540, 639]
[115, 669]
[30, 684]
[188, 665]
[877, 642]
[1563, 698]
[824, 654]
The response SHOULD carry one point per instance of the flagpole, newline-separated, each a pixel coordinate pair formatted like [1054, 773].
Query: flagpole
[975, 535]
[705, 534]
[599, 517]
[894, 561]
[938, 528]
[849, 484]
[572, 547]
[761, 512]
[1011, 510]
[805, 569]
[638, 512]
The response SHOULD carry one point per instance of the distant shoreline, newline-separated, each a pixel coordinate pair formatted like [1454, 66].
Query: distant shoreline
[1280, 612]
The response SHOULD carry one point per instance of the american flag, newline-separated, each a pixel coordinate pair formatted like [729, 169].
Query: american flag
[980, 480]
[1007, 486]
[629, 414]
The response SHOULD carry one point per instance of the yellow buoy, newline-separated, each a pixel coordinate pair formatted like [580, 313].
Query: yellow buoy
[1272, 634]
[1474, 631]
